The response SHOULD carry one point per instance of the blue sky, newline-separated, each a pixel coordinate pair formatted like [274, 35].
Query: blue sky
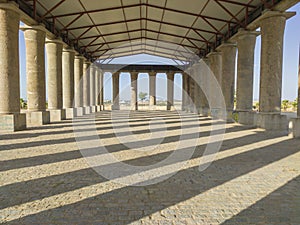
[290, 67]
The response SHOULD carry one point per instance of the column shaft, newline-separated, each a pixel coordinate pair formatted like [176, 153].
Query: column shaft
[68, 77]
[86, 83]
[272, 32]
[152, 88]
[54, 59]
[97, 86]
[170, 90]
[197, 89]
[115, 78]
[101, 86]
[228, 51]
[134, 99]
[92, 85]
[35, 67]
[245, 66]
[184, 91]
[78, 82]
[9, 59]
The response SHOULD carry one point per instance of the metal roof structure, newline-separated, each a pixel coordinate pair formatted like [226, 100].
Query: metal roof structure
[176, 29]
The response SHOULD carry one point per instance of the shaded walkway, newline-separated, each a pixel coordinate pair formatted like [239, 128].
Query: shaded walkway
[45, 180]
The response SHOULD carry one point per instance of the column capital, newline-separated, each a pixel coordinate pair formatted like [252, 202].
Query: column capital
[39, 27]
[244, 33]
[213, 53]
[10, 5]
[69, 49]
[226, 45]
[79, 57]
[134, 75]
[56, 40]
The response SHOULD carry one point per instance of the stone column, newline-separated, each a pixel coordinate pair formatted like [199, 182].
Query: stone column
[204, 86]
[54, 58]
[134, 97]
[92, 90]
[152, 90]
[10, 117]
[228, 51]
[272, 25]
[170, 90]
[35, 73]
[296, 121]
[197, 90]
[215, 64]
[245, 66]
[97, 89]
[115, 79]
[101, 86]
[78, 85]
[68, 57]
[86, 87]
[184, 91]
[191, 107]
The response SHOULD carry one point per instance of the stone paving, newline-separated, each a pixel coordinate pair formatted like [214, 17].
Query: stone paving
[44, 178]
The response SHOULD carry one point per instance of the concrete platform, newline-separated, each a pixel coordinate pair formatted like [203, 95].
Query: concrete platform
[57, 115]
[13, 122]
[79, 111]
[93, 109]
[38, 118]
[272, 122]
[247, 118]
[254, 178]
[87, 110]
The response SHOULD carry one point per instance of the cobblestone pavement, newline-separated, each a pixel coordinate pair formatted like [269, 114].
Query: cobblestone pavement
[44, 179]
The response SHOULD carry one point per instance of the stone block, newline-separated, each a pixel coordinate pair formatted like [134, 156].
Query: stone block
[79, 111]
[274, 122]
[38, 118]
[93, 109]
[296, 127]
[98, 108]
[57, 115]
[70, 113]
[247, 118]
[13, 122]
[87, 110]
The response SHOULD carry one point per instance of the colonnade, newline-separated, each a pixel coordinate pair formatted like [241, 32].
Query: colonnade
[75, 85]
[134, 88]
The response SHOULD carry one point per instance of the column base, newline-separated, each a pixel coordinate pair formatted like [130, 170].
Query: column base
[204, 112]
[87, 110]
[79, 111]
[13, 122]
[57, 115]
[98, 108]
[70, 113]
[296, 127]
[272, 121]
[115, 107]
[93, 109]
[247, 118]
[38, 118]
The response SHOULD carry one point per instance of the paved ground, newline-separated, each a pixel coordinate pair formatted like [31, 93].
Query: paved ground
[44, 179]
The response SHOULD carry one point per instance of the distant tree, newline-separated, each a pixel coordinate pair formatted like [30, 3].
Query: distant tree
[295, 104]
[23, 104]
[142, 95]
[285, 104]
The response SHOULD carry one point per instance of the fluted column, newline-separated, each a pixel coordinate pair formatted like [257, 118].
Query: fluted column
[228, 51]
[115, 78]
[134, 98]
[54, 49]
[170, 90]
[35, 73]
[86, 87]
[10, 117]
[152, 89]
[68, 58]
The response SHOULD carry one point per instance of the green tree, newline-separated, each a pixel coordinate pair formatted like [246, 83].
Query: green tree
[142, 95]
[285, 104]
[295, 104]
